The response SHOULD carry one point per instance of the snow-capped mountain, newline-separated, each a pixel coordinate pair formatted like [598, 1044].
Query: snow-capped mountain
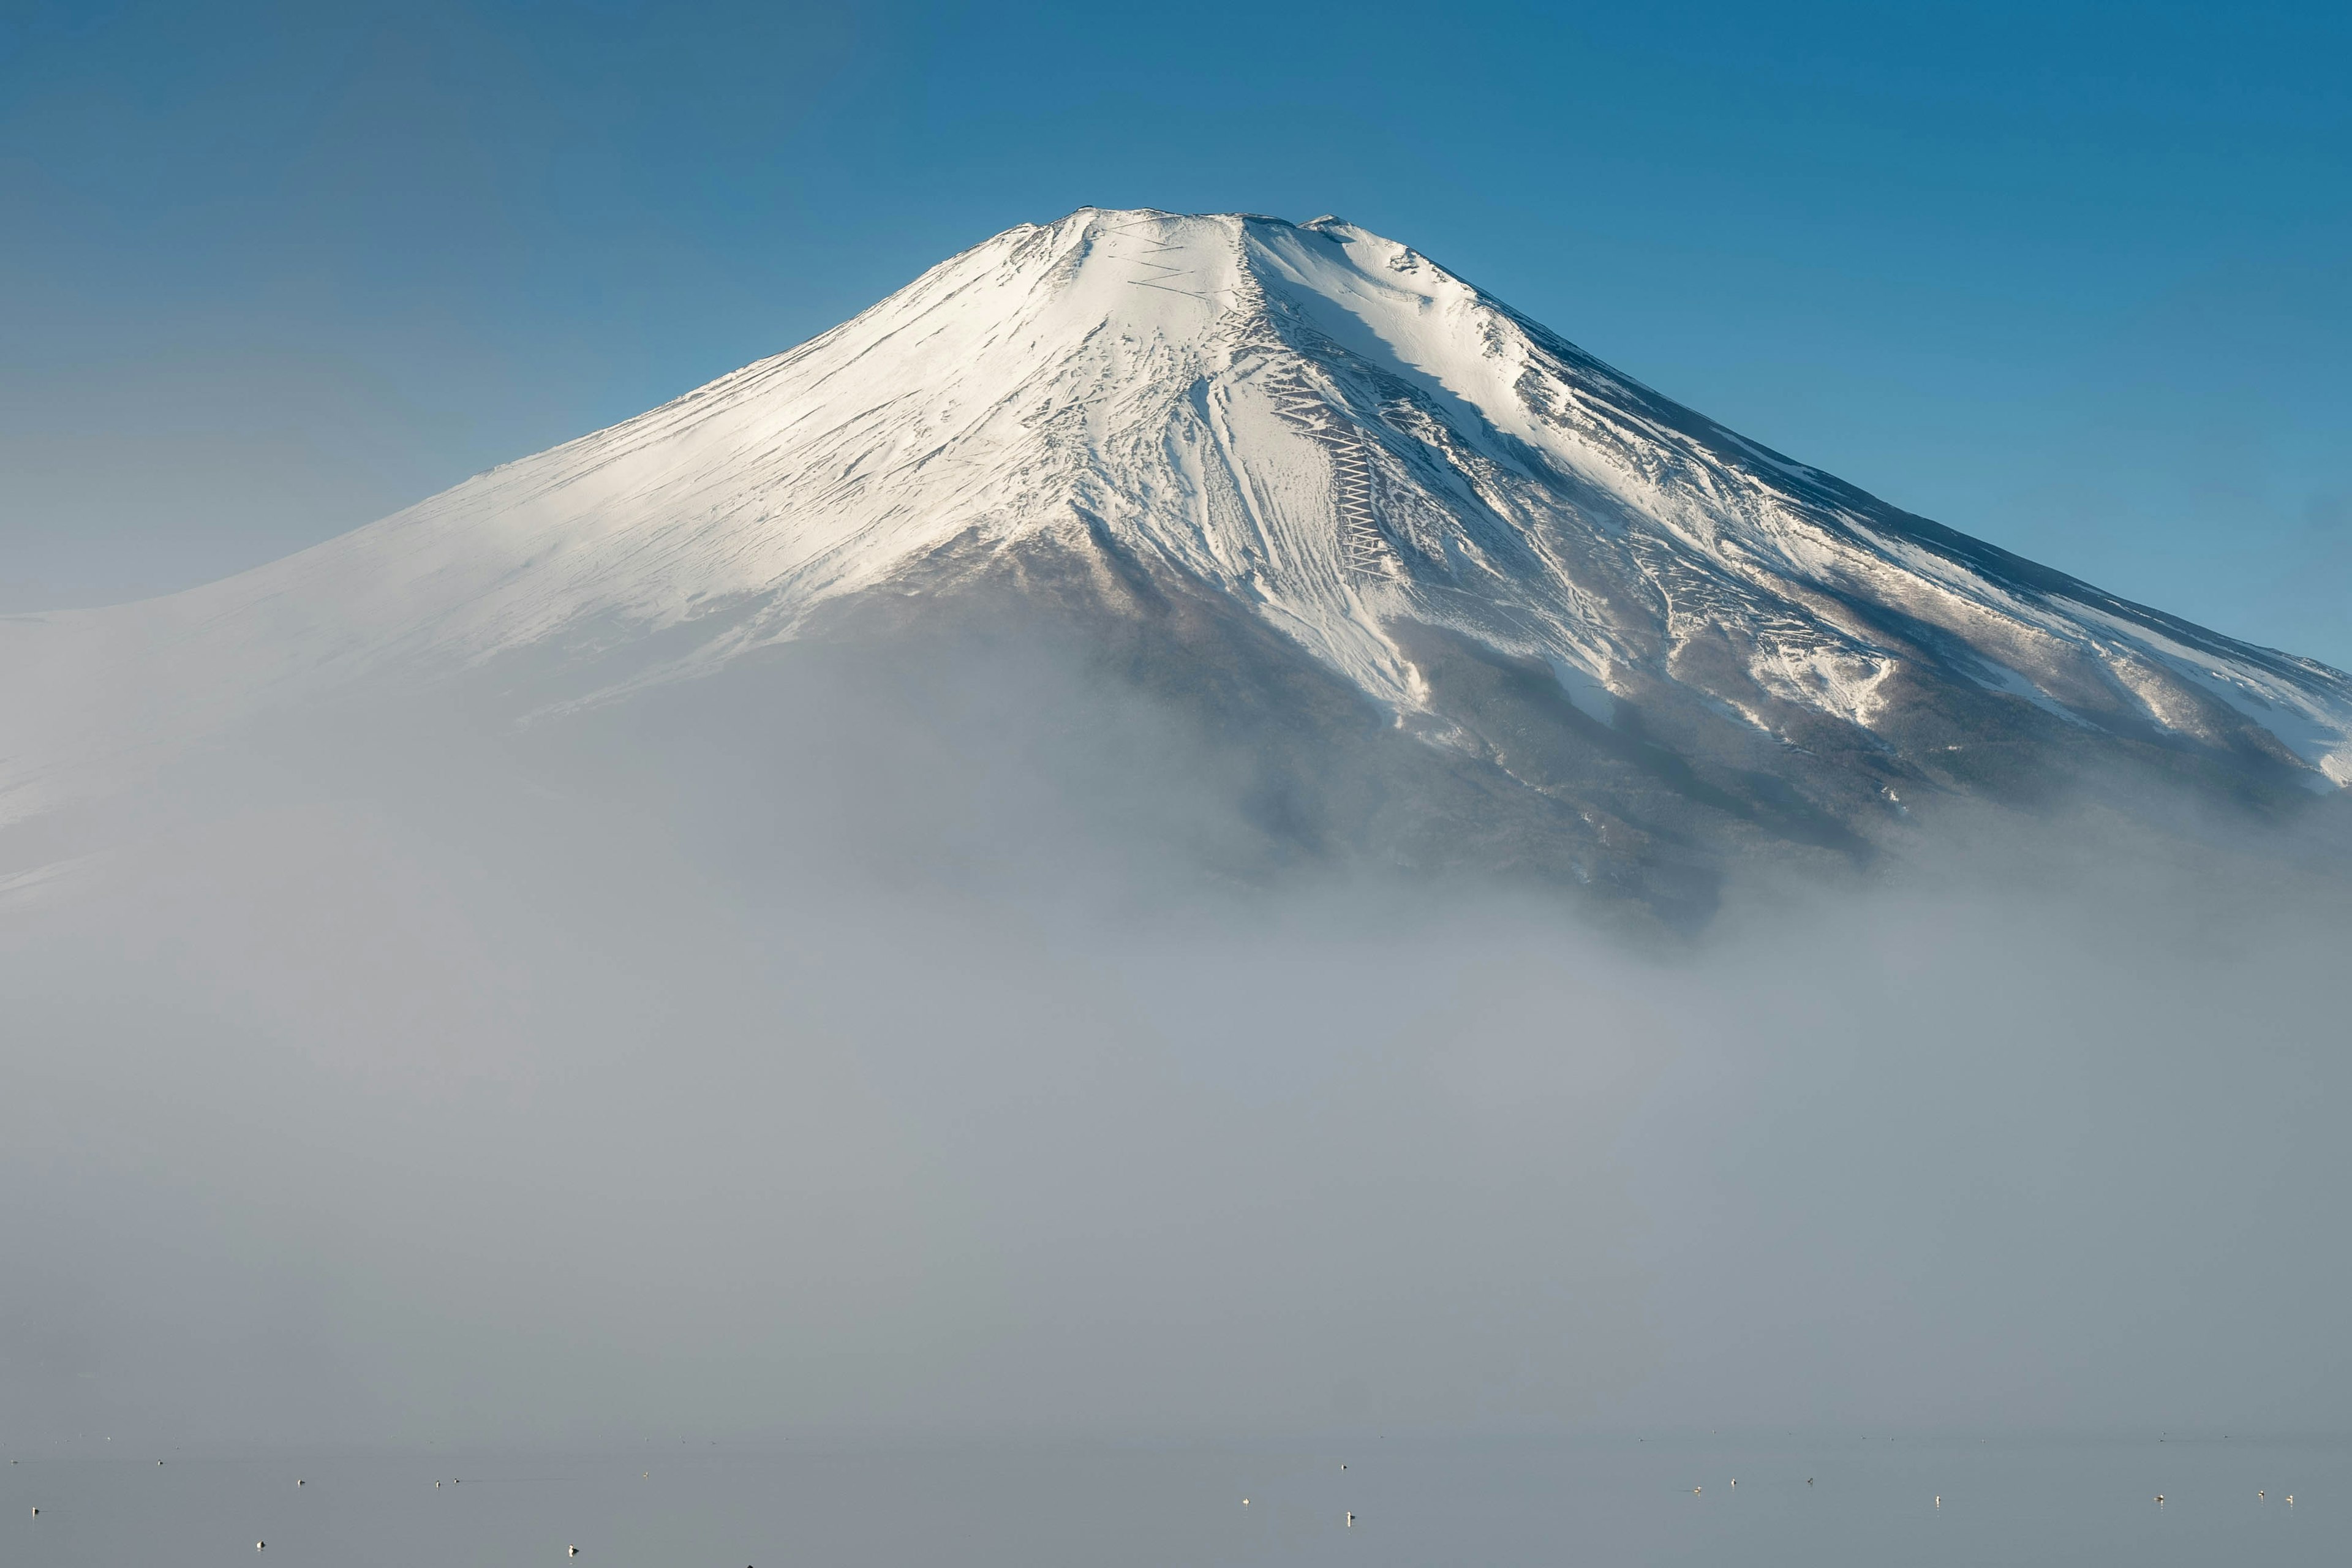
[1523, 565]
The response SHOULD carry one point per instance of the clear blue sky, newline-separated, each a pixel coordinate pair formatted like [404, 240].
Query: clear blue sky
[2075, 278]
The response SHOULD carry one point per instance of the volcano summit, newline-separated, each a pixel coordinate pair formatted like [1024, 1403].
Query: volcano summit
[1451, 593]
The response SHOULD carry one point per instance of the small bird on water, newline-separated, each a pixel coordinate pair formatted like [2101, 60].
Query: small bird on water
[1351, 1521]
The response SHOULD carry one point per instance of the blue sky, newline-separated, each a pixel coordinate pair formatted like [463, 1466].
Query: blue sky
[2077, 279]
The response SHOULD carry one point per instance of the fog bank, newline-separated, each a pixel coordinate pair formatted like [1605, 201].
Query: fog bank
[927, 1052]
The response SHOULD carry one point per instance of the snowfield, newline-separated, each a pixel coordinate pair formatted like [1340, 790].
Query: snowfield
[1319, 424]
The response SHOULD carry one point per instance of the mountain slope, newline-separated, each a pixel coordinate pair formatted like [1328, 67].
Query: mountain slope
[1520, 561]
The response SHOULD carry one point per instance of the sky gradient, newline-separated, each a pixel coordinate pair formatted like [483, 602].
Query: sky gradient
[2075, 279]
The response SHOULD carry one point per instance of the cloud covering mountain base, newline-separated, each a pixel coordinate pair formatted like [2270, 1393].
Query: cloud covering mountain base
[951, 1050]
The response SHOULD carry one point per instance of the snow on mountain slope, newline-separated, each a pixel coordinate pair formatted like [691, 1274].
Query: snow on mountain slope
[1319, 423]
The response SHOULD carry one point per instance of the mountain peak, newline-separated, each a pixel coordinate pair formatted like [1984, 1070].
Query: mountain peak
[1314, 425]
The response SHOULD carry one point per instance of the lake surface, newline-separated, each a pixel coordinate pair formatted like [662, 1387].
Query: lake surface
[1872, 1500]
